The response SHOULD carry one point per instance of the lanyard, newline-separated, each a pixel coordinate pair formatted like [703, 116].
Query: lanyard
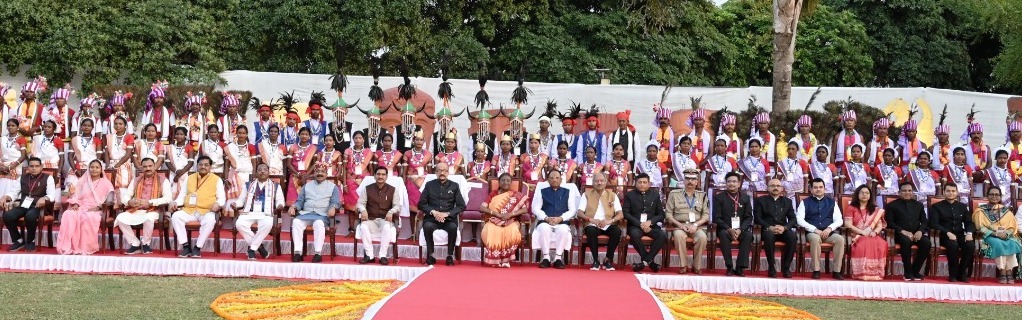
[200, 182]
[34, 183]
[691, 201]
[735, 199]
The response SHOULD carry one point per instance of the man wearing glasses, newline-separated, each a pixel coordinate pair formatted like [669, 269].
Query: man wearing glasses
[688, 211]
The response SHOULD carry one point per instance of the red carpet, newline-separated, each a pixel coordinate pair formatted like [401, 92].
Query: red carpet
[470, 291]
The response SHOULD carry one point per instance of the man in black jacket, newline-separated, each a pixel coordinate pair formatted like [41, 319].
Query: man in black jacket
[645, 215]
[776, 218]
[441, 203]
[953, 220]
[733, 217]
[907, 218]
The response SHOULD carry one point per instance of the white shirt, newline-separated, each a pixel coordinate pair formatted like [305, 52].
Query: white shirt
[10, 188]
[800, 214]
[247, 196]
[599, 215]
[164, 198]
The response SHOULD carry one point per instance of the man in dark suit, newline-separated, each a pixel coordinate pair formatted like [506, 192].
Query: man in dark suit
[776, 217]
[733, 217]
[645, 215]
[953, 220]
[907, 218]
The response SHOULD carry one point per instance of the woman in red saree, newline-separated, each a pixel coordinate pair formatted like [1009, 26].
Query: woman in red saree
[501, 233]
[301, 160]
[865, 224]
[79, 225]
[356, 167]
[417, 160]
[533, 163]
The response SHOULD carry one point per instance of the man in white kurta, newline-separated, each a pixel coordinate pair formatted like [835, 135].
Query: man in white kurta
[317, 203]
[256, 203]
[378, 206]
[554, 207]
[140, 199]
[199, 202]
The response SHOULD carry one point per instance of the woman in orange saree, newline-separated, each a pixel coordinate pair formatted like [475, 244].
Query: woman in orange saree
[865, 224]
[501, 233]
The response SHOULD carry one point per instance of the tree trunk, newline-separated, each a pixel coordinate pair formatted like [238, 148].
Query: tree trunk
[786, 15]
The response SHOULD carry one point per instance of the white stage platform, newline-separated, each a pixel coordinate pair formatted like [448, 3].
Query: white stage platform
[881, 290]
[167, 266]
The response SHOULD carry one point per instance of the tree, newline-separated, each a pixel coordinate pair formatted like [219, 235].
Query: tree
[786, 16]
[1003, 18]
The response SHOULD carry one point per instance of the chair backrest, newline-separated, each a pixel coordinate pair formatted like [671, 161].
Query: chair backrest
[888, 199]
[976, 202]
[476, 197]
[278, 179]
[932, 200]
[843, 200]
[801, 196]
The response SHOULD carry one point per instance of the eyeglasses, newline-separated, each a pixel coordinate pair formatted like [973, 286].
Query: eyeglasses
[994, 195]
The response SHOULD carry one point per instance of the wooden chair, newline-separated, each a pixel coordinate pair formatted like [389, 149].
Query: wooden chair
[935, 248]
[779, 245]
[978, 266]
[355, 241]
[602, 240]
[274, 231]
[804, 247]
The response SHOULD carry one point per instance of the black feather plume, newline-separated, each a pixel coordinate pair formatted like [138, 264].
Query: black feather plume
[551, 109]
[972, 113]
[593, 111]
[339, 81]
[573, 112]
[943, 116]
[445, 92]
[317, 97]
[521, 94]
[288, 100]
[405, 90]
[482, 98]
[375, 92]
[254, 103]
[912, 112]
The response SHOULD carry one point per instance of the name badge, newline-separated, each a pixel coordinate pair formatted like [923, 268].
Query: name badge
[620, 181]
[315, 139]
[27, 202]
[589, 180]
[534, 175]
[735, 222]
[888, 182]
[420, 171]
[789, 178]
[193, 199]
[408, 143]
[754, 176]
[691, 217]
[346, 137]
[642, 217]
[358, 171]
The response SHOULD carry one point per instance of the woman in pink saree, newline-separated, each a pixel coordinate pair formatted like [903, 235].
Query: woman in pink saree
[865, 224]
[501, 233]
[79, 225]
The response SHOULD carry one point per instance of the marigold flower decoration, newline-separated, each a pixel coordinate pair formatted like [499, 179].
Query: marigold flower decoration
[330, 300]
[694, 305]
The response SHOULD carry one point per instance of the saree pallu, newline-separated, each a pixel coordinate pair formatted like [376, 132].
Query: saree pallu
[300, 160]
[502, 237]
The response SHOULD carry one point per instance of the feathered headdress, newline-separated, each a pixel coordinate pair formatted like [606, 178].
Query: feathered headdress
[444, 92]
[338, 81]
[521, 94]
[287, 103]
[317, 98]
[406, 90]
[550, 112]
[941, 127]
[482, 98]
[375, 92]
[573, 112]
[229, 99]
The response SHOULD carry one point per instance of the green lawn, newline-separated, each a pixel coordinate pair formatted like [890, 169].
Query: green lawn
[56, 296]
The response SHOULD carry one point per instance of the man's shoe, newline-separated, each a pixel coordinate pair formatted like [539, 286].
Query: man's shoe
[383, 261]
[132, 250]
[739, 272]
[263, 252]
[729, 272]
[558, 264]
[366, 259]
[595, 266]
[196, 252]
[697, 271]
[16, 246]
[430, 261]
[654, 266]
[317, 258]
[250, 254]
[608, 266]
[816, 274]
[786, 274]
[838, 276]
[963, 279]
[544, 264]
[918, 277]
[297, 257]
[30, 246]
[637, 267]
[186, 251]
[146, 249]
[772, 273]
[449, 261]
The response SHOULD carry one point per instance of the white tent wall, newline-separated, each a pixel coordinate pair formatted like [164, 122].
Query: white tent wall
[613, 98]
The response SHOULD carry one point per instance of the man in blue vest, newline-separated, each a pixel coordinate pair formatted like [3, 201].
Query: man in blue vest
[592, 138]
[553, 206]
[820, 216]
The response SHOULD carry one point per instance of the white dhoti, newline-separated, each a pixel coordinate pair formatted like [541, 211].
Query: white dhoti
[206, 223]
[127, 219]
[298, 235]
[546, 235]
[244, 225]
[376, 230]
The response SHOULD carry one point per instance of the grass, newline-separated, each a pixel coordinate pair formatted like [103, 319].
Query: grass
[58, 296]
[873, 309]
